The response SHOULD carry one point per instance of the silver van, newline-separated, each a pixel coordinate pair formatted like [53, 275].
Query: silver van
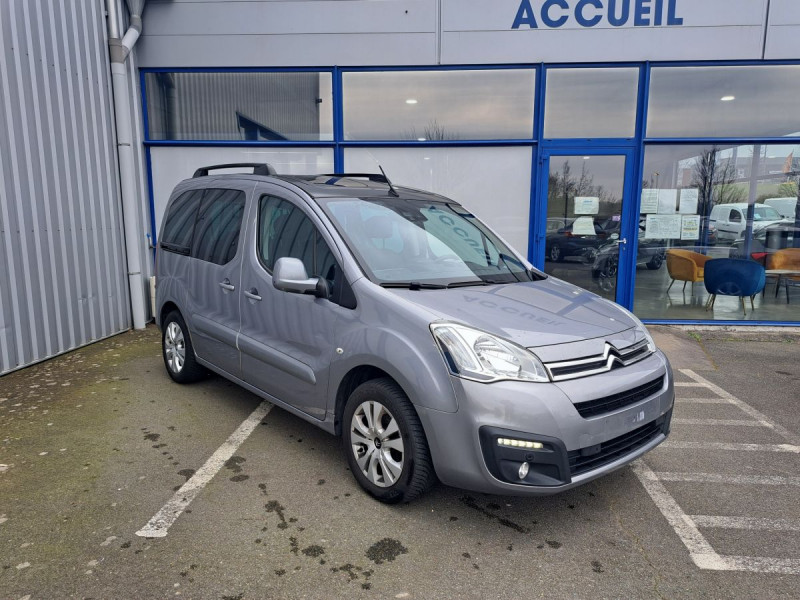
[397, 320]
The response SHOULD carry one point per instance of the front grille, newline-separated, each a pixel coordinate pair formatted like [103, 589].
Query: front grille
[614, 449]
[600, 406]
[600, 363]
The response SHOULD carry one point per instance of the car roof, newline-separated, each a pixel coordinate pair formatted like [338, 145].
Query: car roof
[328, 186]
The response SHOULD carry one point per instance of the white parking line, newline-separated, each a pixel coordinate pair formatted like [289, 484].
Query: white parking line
[683, 526]
[728, 479]
[700, 551]
[756, 564]
[686, 526]
[702, 401]
[164, 518]
[761, 524]
[733, 447]
[790, 437]
[720, 422]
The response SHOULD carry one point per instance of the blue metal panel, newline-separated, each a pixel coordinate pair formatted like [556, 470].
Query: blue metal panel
[720, 322]
[338, 122]
[625, 295]
[151, 199]
[242, 143]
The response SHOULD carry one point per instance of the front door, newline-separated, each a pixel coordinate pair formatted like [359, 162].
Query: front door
[583, 229]
[287, 340]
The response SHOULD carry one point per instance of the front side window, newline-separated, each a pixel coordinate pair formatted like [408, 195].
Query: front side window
[285, 230]
[219, 222]
[401, 242]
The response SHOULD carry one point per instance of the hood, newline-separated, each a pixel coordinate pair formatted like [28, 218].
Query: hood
[531, 314]
[759, 225]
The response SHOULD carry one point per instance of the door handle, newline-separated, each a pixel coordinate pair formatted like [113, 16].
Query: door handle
[623, 241]
[252, 293]
[225, 284]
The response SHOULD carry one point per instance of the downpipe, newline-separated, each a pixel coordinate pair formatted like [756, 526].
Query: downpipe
[119, 49]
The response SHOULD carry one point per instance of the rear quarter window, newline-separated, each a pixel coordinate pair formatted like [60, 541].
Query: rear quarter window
[179, 222]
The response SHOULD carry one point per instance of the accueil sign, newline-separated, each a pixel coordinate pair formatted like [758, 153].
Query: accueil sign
[590, 13]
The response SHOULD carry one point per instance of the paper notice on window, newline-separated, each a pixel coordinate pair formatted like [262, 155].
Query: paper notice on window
[649, 201]
[667, 201]
[688, 202]
[690, 227]
[583, 226]
[663, 227]
[587, 205]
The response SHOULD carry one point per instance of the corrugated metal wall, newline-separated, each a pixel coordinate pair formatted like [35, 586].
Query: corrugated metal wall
[62, 258]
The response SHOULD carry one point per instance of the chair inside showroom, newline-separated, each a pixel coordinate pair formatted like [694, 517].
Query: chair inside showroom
[686, 266]
[787, 261]
[733, 277]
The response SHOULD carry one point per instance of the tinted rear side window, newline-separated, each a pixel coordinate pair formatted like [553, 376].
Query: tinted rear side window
[179, 222]
[219, 223]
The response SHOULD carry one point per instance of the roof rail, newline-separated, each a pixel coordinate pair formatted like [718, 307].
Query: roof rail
[376, 177]
[258, 169]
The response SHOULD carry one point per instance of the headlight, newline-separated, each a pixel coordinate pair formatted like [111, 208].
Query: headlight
[480, 356]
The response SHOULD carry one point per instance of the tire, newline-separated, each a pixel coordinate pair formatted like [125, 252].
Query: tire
[177, 350]
[393, 474]
[655, 263]
[555, 253]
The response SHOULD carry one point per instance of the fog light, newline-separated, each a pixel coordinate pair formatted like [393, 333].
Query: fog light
[523, 470]
[509, 443]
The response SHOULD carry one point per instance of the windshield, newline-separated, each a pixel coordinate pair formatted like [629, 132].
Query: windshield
[766, 213]
[412, 243]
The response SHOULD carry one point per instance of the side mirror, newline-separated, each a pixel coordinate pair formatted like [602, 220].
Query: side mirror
[289, 275]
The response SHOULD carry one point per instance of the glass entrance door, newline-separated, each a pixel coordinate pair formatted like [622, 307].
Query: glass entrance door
[582, 233]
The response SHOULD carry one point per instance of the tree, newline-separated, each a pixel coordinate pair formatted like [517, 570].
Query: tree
[714, 179]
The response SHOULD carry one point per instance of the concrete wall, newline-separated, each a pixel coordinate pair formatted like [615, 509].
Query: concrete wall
[62, 260]
[220, 33]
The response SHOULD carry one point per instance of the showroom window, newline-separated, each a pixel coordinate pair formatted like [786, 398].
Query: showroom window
[724, 101]
[702, 157]
[591, 103]
[706, 202]
[438, 105]
[240, 106]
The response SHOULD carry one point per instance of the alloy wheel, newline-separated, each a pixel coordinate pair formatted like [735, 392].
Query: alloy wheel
[377, 443]
[175, 347]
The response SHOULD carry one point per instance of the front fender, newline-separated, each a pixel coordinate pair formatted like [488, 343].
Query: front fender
[412, 359]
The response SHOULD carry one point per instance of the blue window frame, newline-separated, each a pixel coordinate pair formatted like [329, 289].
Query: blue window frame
[634, 147]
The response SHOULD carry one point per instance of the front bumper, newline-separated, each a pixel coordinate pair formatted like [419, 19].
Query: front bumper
[575, 449]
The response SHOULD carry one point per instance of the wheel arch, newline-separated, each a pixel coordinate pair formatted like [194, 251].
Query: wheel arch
[351, 380]
[167, 308]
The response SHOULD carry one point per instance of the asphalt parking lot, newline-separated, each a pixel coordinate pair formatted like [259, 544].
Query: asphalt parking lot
[94, 444]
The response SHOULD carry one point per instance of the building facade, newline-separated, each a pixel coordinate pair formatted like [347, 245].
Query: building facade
[596, 136]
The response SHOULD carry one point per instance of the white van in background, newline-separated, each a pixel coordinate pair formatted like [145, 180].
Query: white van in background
[785, 206]
[731, 219]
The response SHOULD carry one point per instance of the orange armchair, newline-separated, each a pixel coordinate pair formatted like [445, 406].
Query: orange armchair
[787, 259]
[686, 266]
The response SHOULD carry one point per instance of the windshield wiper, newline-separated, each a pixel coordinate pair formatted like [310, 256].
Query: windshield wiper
[413, 285]
[457, 284]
